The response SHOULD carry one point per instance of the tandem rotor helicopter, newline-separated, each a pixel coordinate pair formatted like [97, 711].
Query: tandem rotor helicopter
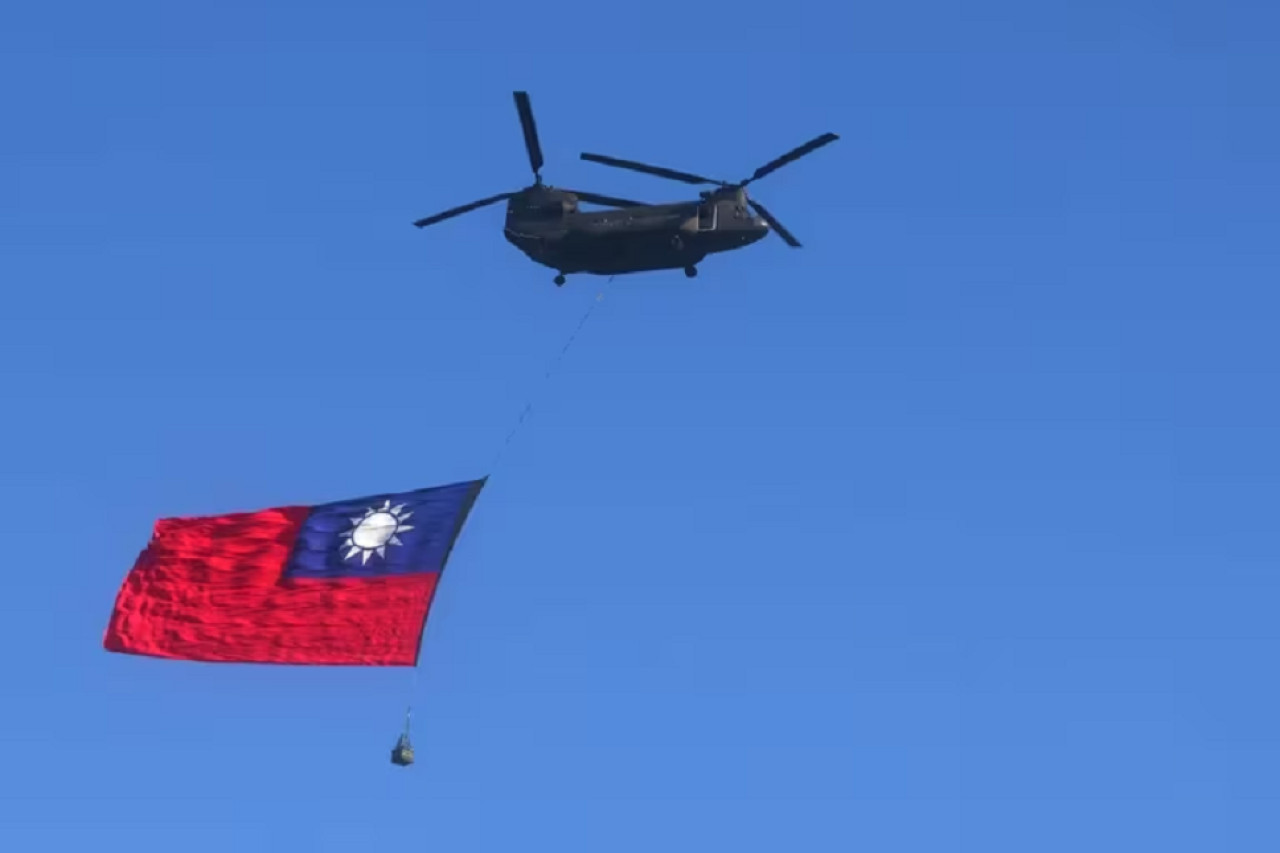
[544, 222]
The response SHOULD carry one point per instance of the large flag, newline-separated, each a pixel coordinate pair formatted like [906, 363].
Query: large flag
[349, 582]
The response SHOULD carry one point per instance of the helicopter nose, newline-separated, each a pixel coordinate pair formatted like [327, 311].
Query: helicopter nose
[757, 230]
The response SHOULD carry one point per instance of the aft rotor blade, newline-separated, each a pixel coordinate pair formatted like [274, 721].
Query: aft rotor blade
[774, 223]
[466, 208]
[791, 156]
[661, 172]
[607, 200]
[530, 129]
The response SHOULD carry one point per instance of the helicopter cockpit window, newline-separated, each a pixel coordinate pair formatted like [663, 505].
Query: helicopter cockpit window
[707, 216]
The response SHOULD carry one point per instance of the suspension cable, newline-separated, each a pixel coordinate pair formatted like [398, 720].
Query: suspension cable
[552, 368]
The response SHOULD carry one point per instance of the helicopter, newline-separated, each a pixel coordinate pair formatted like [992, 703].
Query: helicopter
[547, 225]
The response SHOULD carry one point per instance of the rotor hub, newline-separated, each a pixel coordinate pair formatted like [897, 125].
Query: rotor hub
[536, 193]
[725, 189]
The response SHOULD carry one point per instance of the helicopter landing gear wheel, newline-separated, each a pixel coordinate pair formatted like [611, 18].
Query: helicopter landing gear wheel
[559, 280]
[690, 272]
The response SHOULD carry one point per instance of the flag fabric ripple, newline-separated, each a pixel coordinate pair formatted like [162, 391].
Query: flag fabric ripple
[349, 582]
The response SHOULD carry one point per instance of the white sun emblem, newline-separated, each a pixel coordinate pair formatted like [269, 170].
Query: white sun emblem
[372, 532]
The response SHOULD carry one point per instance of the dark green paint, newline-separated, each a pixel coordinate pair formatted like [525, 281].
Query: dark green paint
[547, 225]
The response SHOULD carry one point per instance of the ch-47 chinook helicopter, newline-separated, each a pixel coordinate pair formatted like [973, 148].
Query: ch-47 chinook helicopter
[546, 224]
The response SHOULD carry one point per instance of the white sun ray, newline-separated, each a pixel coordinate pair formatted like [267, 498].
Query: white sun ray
[372, 532]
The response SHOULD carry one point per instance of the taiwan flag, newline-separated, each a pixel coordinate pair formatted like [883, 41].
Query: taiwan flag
[349, 582]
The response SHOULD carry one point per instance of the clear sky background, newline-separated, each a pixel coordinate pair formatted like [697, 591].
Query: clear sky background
[954, 530]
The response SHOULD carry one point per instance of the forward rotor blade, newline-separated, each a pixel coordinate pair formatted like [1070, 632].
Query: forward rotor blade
[791, 156]
[774, 223]
[607, 200]
[530, 131]
[466, 208]
[661, 172]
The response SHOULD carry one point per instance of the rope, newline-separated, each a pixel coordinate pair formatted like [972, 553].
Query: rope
[546, 377]
[524, 415]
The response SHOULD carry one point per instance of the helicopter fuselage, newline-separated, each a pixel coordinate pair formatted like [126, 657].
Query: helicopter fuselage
[545, 224]
[548, 228]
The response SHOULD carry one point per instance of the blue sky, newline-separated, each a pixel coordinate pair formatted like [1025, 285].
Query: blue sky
[954, 529]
